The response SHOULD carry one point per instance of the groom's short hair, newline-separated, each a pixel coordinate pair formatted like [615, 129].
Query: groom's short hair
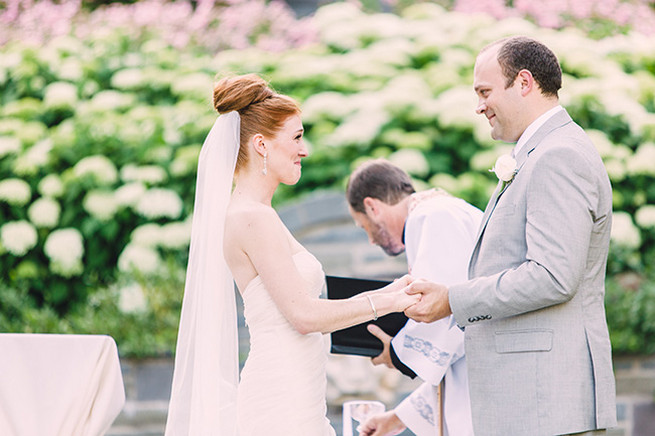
[519, 52]
[379, 179]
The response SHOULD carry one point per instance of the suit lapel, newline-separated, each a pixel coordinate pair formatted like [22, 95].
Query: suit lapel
[558, 120]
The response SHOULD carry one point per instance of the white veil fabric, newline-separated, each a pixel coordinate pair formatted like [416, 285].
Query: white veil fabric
[203, 397]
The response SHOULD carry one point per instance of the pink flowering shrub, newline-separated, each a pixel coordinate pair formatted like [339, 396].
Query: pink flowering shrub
[597, 18]
[209, 24]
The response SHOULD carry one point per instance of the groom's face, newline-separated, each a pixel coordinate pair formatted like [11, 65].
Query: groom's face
[378, 233]
[502, 105]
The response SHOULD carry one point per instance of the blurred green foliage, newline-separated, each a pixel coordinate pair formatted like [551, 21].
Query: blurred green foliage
[373, 85]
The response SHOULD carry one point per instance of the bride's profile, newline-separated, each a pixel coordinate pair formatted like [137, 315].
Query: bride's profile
[237, 237]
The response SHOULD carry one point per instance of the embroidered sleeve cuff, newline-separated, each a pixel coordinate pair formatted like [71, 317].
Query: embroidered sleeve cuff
[399, 365]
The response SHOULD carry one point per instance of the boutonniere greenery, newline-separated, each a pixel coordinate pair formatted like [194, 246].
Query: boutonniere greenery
[505, 169]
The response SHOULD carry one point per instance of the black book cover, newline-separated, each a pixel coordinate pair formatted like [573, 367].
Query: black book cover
[356, 339]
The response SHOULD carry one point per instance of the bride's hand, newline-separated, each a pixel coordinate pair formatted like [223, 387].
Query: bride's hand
[395, 299]
[403, 300]
[397, 284]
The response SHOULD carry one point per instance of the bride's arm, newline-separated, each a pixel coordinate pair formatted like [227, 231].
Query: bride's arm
[266, 243]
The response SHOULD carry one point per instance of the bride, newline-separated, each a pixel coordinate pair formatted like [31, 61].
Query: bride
[256, 144]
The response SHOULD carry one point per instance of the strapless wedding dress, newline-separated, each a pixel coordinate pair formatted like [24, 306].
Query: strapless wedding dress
[283, 382]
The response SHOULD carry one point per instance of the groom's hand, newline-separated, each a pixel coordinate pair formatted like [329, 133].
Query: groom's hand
[384, 358]
[433, 304]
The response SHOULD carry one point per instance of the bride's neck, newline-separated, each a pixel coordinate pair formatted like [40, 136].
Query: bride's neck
[254, 187]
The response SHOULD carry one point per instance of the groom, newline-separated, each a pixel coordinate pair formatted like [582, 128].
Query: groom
[537, 344]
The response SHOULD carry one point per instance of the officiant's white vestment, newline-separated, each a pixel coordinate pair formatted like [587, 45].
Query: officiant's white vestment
[440, 232]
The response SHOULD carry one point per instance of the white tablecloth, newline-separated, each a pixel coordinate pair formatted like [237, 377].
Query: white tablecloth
[59, 385]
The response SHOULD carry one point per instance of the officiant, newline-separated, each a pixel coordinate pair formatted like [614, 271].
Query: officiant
[437, 231]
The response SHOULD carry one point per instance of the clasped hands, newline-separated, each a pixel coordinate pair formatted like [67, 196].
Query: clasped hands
[429, 300]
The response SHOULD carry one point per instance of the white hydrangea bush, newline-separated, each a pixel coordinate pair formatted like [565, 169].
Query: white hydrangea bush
[100, 136]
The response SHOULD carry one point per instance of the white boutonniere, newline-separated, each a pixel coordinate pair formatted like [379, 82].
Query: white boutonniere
[505, 169]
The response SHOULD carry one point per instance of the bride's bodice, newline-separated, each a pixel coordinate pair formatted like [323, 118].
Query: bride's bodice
[260, 309]
[283, 382]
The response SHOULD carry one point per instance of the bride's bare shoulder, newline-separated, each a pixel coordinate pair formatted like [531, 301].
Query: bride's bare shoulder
[244, 215]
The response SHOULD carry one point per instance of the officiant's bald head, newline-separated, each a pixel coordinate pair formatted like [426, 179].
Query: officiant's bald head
[377, 195]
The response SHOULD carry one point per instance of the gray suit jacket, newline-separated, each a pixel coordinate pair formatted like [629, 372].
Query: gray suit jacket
[537, 343]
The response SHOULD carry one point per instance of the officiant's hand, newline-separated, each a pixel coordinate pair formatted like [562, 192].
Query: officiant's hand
[384, 358]
[433, 304]
[381, 425]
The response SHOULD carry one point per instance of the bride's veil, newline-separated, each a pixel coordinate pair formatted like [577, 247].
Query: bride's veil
[203, 398]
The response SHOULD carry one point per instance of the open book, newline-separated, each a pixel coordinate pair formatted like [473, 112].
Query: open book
[356, 339]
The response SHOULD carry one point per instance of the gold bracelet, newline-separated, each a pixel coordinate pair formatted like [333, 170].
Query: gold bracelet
[375, 312]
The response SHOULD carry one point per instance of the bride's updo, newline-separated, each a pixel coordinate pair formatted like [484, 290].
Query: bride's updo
[262, 110]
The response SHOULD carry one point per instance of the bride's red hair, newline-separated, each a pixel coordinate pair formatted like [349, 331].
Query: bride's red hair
[262, 110]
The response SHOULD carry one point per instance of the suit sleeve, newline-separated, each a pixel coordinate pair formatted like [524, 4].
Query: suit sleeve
[560, 209]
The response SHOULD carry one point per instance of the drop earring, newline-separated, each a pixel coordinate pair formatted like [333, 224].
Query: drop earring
[264, 170]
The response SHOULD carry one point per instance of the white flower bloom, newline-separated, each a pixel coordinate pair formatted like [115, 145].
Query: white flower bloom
[440, 77]
[60, 95]
[136, 132]
[642, 161]
[333, 105]
[129, 194]
[408, 89]
[18, 237]
[615, 169]
[456, 107]
[151, 174]
[44, 212]
[51, 186]
[98, 166]
[34, 158]
[186, 160]
[147, 235]
[337, 24]
[391, 51]
[128, 79]
[139, 258]
[65, 248]
[194, 85]
[132, 299]
[100, 204]
[603, 144]
[176, 235]
[505, 168]
[159, 203]
[15, 192]
[410, 160]
[645, 216]
[445, 181]
[333, 13]
[360, 128]
[71, 69]
[9, 145]
[172, 136]
[110, 100]
[624, 232]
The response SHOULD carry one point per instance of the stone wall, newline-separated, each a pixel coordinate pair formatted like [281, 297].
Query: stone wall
[322, 224]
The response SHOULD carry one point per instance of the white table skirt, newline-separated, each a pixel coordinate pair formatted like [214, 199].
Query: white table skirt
[59, 385]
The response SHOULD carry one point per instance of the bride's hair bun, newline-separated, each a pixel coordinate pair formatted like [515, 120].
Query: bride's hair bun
[238, 92]
[262, 110]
